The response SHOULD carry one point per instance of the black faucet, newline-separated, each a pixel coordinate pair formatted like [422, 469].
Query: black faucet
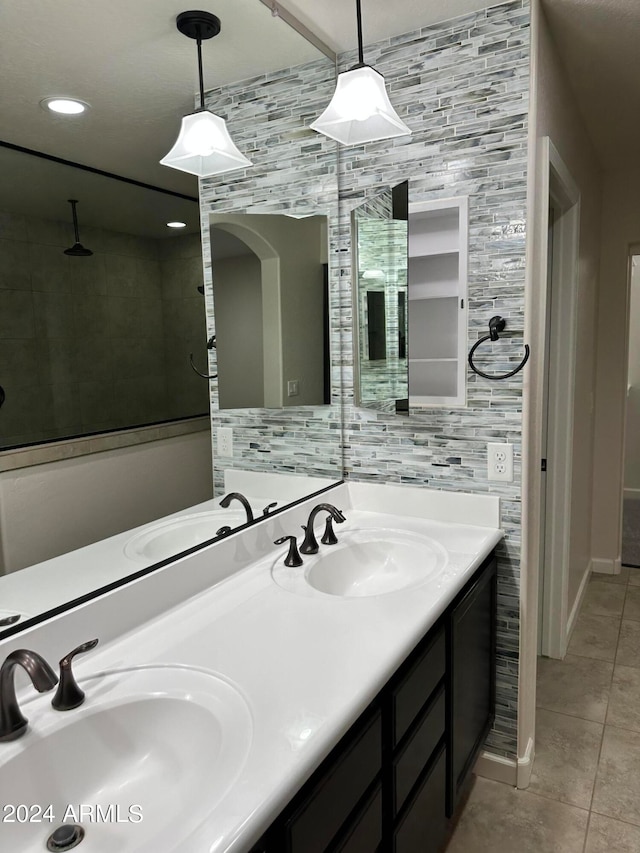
[236, 496]
[310, 544]
[12, 723]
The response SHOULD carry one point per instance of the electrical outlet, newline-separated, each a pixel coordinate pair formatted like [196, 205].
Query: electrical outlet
[225, 441]
[293, 388]
[500, 462]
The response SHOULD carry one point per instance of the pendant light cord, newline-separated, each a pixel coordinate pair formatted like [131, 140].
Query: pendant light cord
[73, 202]
[359, 18]
[200, 75]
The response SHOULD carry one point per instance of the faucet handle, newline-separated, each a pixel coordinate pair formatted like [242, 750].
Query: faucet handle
[293, 557]
[69, 695]
[309, 543]
[329, 537]
[267, 510]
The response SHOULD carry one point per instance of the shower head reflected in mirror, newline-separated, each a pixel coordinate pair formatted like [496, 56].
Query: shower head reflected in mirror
[77, 250]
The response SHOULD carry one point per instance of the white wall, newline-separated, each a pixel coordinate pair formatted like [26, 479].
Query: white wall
[49, 509]
[558, 118]
[632, 425]
[555, 114]
[239, 336]
[620, 230]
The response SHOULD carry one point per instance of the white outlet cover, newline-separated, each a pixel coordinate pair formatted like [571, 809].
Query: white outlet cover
[500, 462]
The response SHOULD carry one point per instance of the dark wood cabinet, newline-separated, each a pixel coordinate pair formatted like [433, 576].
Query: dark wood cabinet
[392, 782]
[471, 678]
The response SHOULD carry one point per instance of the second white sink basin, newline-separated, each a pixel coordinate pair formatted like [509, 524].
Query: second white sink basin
[169, 741]
[167, 538]
[365, 562]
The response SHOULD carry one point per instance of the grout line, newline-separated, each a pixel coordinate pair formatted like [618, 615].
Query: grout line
[573, 716]
[586, 833]
[606, 714]
[619, 819]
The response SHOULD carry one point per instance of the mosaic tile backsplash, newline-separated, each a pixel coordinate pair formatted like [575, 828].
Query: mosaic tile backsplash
[462, 87]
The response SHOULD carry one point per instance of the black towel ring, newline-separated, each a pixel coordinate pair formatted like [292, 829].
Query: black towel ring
[496, 324]
[211, 344]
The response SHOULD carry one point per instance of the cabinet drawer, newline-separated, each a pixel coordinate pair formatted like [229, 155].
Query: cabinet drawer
[417, 685]
[424, 826]
[415, 755]
[366, 834]
[314, 824]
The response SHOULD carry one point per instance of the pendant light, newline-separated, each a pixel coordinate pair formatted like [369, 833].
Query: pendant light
[203, 146]
[77, 250]
[360, 110]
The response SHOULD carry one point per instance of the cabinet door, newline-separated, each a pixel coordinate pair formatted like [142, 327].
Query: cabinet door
[422, 828]
[471, 678]
[328, 807]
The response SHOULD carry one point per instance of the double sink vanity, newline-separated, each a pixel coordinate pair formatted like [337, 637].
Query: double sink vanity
[235, 703]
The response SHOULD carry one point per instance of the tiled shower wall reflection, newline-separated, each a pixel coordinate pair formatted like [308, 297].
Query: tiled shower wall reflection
[100, 342]
[462, 86]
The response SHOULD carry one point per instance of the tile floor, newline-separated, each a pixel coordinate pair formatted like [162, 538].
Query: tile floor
[584, 795]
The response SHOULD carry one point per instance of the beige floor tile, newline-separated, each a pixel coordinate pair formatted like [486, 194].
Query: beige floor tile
[566, 761]
[595, 637]
[500, 819]
[632, 603]
[617, 789]
[606, 835]
[577, 686]
[629, 644]
[603, 599]
[623, 577]
[624, 698]
[634, 576]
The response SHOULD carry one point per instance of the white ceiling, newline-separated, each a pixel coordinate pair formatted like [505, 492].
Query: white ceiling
[126, 59]
[598, 41]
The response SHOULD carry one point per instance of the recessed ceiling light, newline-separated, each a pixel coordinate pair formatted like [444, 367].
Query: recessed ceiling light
[177, 224]
[64, 106]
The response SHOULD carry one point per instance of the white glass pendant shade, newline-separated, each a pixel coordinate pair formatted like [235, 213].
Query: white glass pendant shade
[360, 110]
[204, 147]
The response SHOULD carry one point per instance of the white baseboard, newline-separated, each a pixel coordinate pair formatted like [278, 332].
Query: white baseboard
[577, 604]
[525, 765]
[632, 494]
[497, 767]
[606, 567]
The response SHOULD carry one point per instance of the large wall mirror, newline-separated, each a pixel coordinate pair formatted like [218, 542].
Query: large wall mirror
[410, 288]
[102, 342]
[270, 293]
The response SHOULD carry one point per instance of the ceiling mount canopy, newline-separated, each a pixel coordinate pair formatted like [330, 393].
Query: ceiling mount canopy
[77, 250]
[203, 147]
[360, 110]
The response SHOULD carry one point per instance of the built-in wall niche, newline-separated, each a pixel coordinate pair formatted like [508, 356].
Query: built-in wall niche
[270, 293]
[410, 293]
[437, 292]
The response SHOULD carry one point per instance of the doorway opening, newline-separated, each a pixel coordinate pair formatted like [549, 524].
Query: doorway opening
[555, 618]
[630, 523]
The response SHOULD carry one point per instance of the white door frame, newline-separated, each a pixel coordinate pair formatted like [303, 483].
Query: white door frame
[634, 250]
[555, 621]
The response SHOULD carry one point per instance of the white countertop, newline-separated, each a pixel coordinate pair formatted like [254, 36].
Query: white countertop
[307, 666]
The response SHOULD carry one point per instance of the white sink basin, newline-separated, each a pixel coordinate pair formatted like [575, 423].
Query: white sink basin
[365, 562]
[167, 538]
[169, 740]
